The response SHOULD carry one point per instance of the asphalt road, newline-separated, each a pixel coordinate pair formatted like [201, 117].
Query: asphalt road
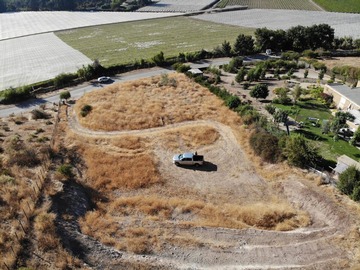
[77, 91]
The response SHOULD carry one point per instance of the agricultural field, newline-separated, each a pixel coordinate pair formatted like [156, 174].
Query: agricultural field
[36, 58]
[177, 6]
[343, 24]
[352, 6]
[19, 24]
[126, 42]
[271, 4]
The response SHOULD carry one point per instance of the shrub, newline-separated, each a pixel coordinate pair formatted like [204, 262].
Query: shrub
[266, 146]
[233, 102]
[65, 170]
[39, 114]
[64, 79]
[13, 95]
[85, 110]
[65, 95]
[270, 108]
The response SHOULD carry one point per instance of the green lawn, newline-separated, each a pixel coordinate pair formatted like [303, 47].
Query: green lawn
[340, 5]
[328, 148]
[125, 42]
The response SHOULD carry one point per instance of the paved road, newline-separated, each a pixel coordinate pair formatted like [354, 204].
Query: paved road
[77, 91]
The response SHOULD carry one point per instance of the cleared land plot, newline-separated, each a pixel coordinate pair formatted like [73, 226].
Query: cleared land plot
[344, 24]
[223, 215]
[126, 42]
[340, 6]
[178, 6]
[271, 4]
[19, 24]
[36, 58]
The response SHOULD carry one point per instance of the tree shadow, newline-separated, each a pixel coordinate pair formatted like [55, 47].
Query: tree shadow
[31, 103]
[308, 134]
[206, 167]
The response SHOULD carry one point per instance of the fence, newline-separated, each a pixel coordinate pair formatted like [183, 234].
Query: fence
[27, 207]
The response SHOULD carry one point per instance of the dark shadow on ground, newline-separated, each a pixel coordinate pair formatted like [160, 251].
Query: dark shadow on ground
[31, 103]
[206, 167]
[310, 135]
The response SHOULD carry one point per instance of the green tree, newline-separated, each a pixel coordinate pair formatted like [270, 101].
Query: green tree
[159, 59]
[243, 45]
[300, 152]
[340, 121]
[280, 116]
[349, 180]
[233, 102]
[240, 76]
[226, 48]
[65, 95]
[321, 74]
[260, 91]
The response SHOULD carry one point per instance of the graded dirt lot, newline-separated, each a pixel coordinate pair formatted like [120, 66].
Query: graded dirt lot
[233, 213]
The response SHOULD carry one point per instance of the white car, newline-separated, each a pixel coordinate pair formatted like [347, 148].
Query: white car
[103, 79]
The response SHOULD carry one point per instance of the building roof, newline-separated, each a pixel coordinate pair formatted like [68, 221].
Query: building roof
[344, 162]
[353, 94]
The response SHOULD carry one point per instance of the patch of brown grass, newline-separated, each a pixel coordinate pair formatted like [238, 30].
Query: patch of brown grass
[190, 137]
[144, 104]
[109, 172]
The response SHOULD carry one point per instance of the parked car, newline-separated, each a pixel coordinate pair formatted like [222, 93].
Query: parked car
[188, 159]
[103, 79]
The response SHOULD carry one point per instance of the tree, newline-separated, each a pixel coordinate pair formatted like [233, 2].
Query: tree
[349, 182]
[259, 91]
[234, 64]
[226, 48]
[159, 59]
[270, 39]
[244, 45]
[65, 95]
[282, 95]
[280, 116]
[296, 93]
[300, 152]
[240, 75]
[340, 121]
[233, 102]
[306, 73]
[321, 74]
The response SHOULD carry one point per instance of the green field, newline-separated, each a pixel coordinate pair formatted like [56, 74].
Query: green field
[340, 5]
[271, 4]
[125, 42]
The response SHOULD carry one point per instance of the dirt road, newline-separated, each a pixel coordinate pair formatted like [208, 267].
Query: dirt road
[229, 176]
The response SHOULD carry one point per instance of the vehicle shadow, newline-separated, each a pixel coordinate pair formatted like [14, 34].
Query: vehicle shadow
[206, 167]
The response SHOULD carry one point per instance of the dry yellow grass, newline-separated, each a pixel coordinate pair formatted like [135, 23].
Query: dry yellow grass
[144, 104]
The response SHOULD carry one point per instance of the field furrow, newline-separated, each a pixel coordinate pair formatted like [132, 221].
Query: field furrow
[28, 23]
[36, 58]
[343, 24]
[272, 4]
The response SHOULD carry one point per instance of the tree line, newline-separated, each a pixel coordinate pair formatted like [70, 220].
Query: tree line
[70, 5]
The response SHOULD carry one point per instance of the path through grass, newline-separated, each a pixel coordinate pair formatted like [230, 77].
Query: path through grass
[126, 42]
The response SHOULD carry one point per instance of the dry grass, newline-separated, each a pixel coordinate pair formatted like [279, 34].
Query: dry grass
[146, 104]
[128, 222]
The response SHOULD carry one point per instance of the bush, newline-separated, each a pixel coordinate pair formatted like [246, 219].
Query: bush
[13, 95]
[65, 170]
[64, 79]
[39, 114]
[266, 146]
[349, 182]
[85, 110]
[233, 102]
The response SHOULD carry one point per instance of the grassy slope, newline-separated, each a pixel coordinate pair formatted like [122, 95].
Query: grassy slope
[340, 5]
[271, 4]
[126, 42]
